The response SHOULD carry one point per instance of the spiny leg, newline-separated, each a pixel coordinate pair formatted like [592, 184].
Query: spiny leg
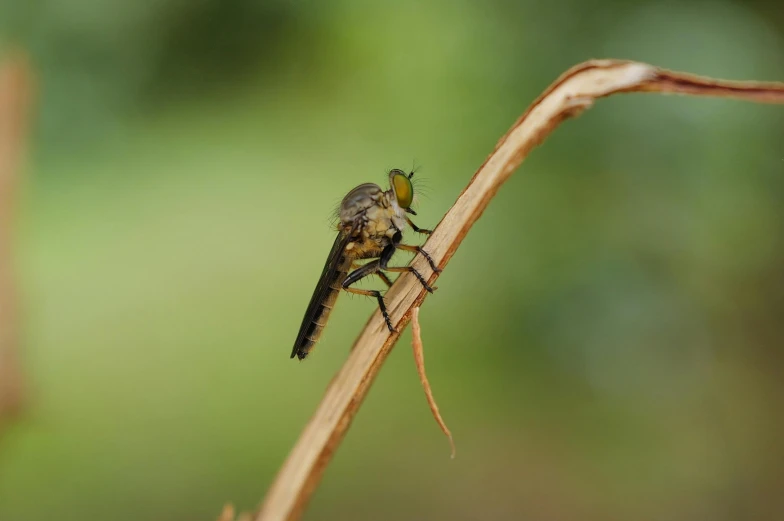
[419, 249]
[369, 269]
[417, 228]
[363, 271]
[411, 269]
[381, 305]
[381, 274]
[387, 254]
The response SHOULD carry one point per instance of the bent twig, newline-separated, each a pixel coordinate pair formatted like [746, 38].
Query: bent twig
[573, 92]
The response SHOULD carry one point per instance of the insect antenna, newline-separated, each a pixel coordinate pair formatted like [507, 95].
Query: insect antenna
[414, 169]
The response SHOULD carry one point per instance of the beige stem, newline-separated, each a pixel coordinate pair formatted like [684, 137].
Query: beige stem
[573, 92]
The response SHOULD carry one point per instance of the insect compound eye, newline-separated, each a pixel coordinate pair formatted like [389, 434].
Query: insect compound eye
[404, 191]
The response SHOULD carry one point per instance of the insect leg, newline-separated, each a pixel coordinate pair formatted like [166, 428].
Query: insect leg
[360, 273]
[381, 305]
[384, 277]
[419, 249]
[417, 228]
[369, 269]
[380, 274]
[410, 269]
[386, 256]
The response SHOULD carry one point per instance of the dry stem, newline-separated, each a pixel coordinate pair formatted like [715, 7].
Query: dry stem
[569, 95]
[419, 360]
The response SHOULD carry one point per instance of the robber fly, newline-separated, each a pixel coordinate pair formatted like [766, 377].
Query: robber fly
[370, 226]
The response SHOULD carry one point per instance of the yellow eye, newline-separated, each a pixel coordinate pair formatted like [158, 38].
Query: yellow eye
[403, 190]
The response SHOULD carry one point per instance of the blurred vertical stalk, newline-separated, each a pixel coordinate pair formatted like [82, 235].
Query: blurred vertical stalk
[15, 97]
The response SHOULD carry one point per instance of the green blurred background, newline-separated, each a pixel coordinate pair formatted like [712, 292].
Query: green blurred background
[606, 344]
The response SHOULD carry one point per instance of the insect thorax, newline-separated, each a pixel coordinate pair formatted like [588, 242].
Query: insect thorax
[372, 216]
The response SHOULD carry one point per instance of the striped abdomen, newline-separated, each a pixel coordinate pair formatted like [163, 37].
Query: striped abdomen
[320, 307]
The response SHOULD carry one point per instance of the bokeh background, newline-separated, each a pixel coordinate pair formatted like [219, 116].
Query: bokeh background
[605, 345]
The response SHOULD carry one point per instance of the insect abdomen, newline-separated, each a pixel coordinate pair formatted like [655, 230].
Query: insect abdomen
[323, 310]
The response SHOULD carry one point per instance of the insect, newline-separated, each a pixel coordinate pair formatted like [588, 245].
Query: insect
[370, 226]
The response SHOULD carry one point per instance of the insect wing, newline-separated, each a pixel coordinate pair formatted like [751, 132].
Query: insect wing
[323, 288]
